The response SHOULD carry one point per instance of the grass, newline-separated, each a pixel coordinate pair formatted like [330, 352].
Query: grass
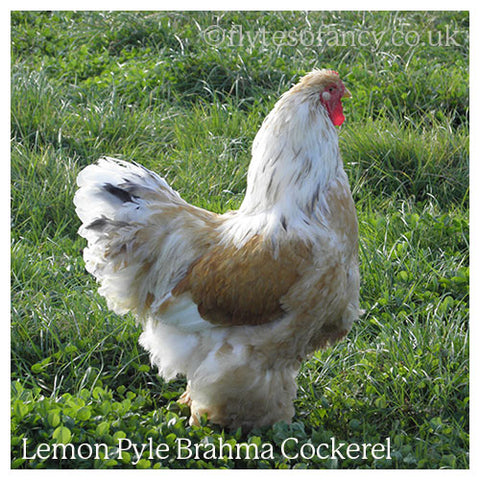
[149, 87]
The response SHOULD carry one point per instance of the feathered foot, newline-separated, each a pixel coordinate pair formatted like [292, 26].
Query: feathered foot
[185, 398]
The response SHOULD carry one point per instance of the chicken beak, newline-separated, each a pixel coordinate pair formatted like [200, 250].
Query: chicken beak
[346, 93]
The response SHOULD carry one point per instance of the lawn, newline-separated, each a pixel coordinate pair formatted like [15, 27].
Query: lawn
[184, 94]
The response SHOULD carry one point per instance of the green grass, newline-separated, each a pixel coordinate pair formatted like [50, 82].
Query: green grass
[148, 87]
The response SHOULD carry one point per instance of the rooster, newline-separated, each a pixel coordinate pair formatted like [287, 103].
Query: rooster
[235, 302]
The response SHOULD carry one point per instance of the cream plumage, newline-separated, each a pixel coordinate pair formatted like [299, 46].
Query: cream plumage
[236, 301]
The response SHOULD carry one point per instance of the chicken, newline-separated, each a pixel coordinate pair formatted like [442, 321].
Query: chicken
[235, 302]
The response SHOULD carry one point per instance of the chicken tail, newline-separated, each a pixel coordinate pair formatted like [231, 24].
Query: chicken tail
[141, 235]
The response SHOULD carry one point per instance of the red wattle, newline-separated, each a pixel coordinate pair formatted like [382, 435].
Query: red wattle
[337, 115]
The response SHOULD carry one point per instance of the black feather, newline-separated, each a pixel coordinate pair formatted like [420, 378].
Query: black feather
[120, 193]
[99, 224]
[106, 225]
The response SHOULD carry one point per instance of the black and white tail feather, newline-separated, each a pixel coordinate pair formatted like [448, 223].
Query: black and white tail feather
[139, 234]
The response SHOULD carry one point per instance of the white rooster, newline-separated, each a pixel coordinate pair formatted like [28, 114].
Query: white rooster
[236, 301]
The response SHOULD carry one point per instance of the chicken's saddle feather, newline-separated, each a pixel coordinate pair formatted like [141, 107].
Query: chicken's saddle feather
[244, 286]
